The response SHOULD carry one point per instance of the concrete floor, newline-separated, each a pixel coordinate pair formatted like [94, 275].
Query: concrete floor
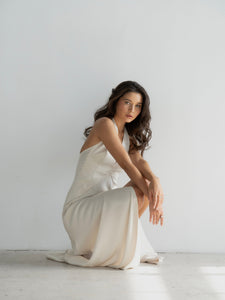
[29, 275]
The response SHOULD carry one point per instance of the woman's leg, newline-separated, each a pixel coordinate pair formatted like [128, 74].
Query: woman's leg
[143, 201]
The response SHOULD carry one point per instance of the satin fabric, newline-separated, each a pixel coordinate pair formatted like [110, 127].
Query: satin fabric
[101, 218]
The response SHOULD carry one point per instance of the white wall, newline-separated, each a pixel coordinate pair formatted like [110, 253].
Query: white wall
[59, 61]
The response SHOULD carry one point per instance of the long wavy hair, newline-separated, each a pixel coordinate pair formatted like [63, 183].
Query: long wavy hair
[139, 129]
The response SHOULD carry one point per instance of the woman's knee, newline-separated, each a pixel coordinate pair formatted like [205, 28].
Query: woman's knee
[138, 192]
[140, 196]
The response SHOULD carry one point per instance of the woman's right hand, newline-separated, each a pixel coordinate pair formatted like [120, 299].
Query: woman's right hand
[154, 214]
[155, 193]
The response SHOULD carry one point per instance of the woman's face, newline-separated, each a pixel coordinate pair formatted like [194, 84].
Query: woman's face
[129, 107]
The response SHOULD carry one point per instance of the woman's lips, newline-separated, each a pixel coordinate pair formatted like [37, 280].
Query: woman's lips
[129, 116]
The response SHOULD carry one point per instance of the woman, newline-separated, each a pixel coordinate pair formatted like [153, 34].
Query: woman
[101, 218]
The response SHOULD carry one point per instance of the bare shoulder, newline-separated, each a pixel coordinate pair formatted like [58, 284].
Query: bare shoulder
[103, 124]
[103, 121]
[106, 132]
[102, 130]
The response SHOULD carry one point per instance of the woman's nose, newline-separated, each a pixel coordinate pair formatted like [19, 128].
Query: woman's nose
[131, 108]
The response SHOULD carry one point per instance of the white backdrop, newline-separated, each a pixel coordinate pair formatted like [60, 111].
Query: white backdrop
[59, 61]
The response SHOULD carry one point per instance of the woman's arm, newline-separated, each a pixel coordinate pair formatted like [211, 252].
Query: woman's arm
[142, 165]
[106, 132]
[155, 189]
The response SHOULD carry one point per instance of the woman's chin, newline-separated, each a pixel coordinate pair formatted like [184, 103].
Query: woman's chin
[128, 120]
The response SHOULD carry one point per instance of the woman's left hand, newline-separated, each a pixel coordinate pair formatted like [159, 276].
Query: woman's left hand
[156, 195]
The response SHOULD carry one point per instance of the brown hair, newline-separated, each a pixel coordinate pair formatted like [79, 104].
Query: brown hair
[139, 129]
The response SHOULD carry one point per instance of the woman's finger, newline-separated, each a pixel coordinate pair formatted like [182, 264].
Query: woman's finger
[149, 192]
[158, 217]
[150, 196]
[150, 211]
[159, 199]
[154, 217]
[155, 201]
[161, 220]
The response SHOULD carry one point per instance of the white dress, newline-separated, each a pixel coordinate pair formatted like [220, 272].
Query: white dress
[101, 218]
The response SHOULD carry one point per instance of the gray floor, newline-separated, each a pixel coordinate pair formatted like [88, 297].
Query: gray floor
[29, 275]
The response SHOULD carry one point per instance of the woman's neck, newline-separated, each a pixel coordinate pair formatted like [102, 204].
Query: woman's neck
[120, 125]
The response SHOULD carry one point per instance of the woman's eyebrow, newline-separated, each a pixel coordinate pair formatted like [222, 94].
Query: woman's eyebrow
[131, 101]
